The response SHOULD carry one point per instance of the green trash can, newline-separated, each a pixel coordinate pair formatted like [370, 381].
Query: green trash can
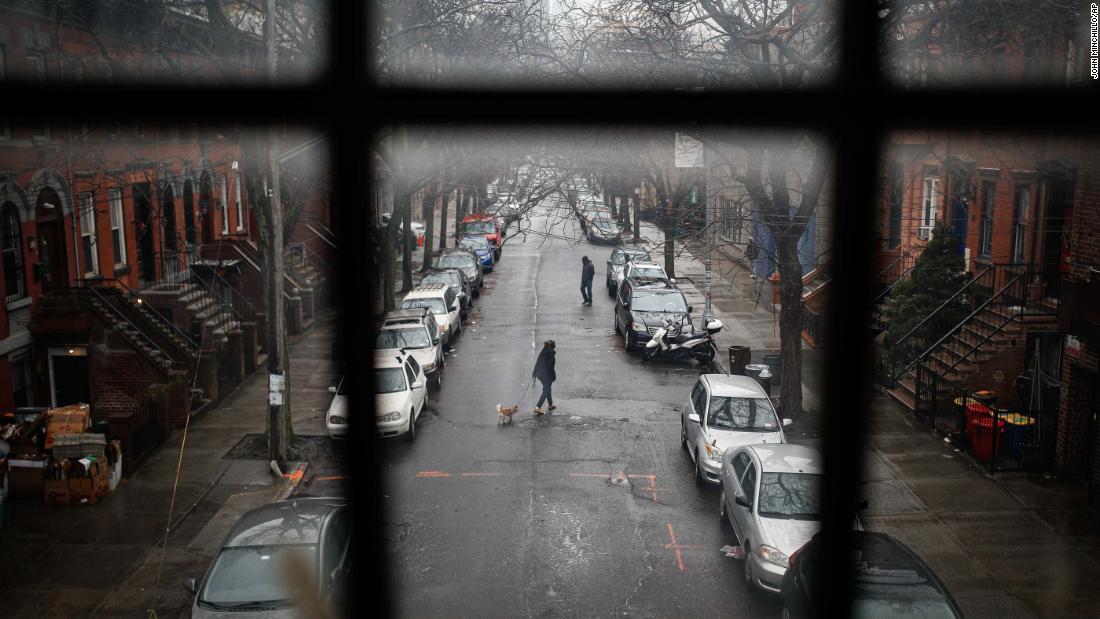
[1017, 432]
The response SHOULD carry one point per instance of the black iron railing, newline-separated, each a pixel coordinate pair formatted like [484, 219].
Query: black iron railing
[148, 340]
[813, 324]
[155, 318]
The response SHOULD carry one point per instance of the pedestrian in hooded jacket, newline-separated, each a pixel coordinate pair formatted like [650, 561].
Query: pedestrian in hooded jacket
[588, 271]
[544, 371]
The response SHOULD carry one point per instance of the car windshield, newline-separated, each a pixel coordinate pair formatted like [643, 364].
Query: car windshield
[637, 255]
[790, 495]
[656, 272]
[751, 414]
[900, 607]
[658, 301]
[479, 227]
[402, 338]
[451, 279]
[341, 389]
[435, 306]
[254, 576]
[389, 380]
[474, 243]
[455, 261]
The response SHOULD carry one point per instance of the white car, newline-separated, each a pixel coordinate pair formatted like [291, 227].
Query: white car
[616, 264]
[400, 393]
[336, 418]
[440, 301]
[771, 496]
[415, 332]
[646, 270]
[723, 413]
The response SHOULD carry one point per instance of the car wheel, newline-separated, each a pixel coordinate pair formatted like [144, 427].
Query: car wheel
[437, 377]
[611, 290]
[749, 580]
[683, 435]
[477, 291]
[618, 331]
[411, 434]
[631, 342]
[700, 479]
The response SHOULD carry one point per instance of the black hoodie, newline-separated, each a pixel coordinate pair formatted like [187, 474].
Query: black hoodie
[544, 367]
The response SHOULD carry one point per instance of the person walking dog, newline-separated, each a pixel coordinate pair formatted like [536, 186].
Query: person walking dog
[544, 371]
[588, 271]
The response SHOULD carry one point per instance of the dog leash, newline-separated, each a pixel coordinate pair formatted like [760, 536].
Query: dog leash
[525, 391]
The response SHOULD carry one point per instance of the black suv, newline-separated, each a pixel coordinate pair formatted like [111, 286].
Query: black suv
[641, 306]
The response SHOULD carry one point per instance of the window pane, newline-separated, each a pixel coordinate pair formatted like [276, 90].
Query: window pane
[635, 44]
[218, 42]
[984, 43]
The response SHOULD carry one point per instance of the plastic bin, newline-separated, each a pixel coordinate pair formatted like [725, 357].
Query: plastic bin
[984, 435]
[1017, 431]
[974, 412]
[775, 365]
[739, 358]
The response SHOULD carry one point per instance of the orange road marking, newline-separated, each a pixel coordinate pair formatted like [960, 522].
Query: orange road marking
[296, 474]
[676, 547]
[433, 474]
[330, 478]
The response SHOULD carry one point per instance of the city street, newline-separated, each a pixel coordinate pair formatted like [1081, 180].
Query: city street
[589, 510]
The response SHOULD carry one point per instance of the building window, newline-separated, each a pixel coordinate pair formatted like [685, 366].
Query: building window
[37, 65]
[224, 205]
[22, 394]
[12, 246]
[1020, 203]
[929, 205]
[897, 186]
[118, 231]
[87, 235]
[237, 201]
[985, 244]
[735, 219]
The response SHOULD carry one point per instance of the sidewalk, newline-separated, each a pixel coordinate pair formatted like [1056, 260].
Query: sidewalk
[107, 560]
[1010, 545]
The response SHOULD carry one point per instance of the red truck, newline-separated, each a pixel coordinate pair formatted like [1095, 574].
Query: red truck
[482, 224]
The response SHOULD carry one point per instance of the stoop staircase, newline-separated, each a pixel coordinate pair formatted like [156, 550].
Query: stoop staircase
[1003, 308]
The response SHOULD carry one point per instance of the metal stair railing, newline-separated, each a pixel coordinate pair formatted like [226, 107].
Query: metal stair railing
[962, 290]
[151, 314]
[880, 297]
[210, 300]
[88, 286]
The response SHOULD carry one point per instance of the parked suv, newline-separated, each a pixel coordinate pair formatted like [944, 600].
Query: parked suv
[646, 270]
[641, 307]
[466, 262]
[616, 264]
[456, 279]
[722, 413]
[415, 332]
[441, 301]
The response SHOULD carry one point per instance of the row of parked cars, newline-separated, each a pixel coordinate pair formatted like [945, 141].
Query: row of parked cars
[411, 341]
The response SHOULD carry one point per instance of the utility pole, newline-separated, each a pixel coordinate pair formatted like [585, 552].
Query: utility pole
[278, 407]
[709, 221]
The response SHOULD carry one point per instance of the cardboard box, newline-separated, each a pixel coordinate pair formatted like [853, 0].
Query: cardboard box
[102, 479]
[26, 475]
[57, 491]
[72, 419]
[86, 490]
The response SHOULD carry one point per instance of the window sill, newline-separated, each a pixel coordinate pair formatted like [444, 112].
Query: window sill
[122, 269]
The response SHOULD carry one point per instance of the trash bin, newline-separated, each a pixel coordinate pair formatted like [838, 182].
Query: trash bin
[753, 370]
[974, 412]
[739, 358]
[775, 364]
[984, 436]
[1017, 432]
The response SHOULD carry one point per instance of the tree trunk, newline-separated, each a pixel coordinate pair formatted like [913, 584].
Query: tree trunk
[387, 267]
[427, 207]
[407, 245]
[637, 219]
[790, 324]
[443, 220]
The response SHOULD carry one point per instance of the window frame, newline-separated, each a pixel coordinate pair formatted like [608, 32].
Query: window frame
[987, 204]
[89, 248]
[223, 198]
[929, 206]
[239, 204]
[117, 211]
[15, 250]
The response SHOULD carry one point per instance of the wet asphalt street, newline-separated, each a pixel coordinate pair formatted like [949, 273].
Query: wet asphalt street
[590, 511]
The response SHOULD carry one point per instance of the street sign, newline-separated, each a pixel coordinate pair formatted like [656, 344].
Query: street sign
[688, 152]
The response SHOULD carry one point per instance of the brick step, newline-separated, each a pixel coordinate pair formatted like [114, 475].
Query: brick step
[904, 398]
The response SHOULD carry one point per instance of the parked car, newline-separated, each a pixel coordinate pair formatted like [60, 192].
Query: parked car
[604, 230]
[482, 224]
[247, 575]
[771, 496]
[722, 413]
[456, 279]
[642, 307]
[465, 261]
[616, 265]
[441, 301]
[646, 270]
[482, 248]
[400, 393]
[888, 580]
[415, 332]
[336, 417]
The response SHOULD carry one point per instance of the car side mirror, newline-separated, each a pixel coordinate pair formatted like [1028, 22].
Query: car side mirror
[690, 309]
[435, 340]
[191, 585]
[741, 500]
[332, 389]
[418, 384]
[694, 418]
[454, 308]
[787, 422]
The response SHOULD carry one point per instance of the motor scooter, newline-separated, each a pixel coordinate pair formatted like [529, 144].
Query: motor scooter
[698, 347]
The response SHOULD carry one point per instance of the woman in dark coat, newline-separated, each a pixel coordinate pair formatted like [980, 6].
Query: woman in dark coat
[544, 371]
